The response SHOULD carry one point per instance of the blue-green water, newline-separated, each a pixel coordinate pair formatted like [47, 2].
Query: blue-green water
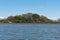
[29, 31]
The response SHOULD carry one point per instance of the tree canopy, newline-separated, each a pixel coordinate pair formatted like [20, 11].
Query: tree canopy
[27, 18]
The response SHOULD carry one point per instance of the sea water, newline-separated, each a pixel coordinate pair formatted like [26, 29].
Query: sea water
[29, 31]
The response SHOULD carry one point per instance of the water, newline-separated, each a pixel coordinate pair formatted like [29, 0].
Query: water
[29, 31]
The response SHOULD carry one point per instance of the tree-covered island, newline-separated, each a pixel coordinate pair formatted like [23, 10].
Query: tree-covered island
[27, 18]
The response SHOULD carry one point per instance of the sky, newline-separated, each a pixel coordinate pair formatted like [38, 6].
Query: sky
[48, 8]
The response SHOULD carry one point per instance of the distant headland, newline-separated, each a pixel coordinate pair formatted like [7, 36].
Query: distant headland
[28, 18]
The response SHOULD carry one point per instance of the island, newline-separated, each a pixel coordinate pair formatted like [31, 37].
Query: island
[28, 18]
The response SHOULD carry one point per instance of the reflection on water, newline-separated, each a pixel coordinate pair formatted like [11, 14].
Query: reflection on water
[29, 32]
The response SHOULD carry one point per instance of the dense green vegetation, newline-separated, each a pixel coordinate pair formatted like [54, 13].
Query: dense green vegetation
[27, 18]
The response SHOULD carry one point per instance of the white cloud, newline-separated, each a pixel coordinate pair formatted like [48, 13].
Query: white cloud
[2, 17]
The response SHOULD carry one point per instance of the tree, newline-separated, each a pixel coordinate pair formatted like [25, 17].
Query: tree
[27, 17]
[45, 19]
[17, 18]
[36, 17]
[10, 18]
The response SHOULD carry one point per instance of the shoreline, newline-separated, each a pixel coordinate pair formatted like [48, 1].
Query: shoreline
[29, 23]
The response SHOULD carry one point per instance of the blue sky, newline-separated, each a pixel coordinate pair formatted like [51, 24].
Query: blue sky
[49, 8]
